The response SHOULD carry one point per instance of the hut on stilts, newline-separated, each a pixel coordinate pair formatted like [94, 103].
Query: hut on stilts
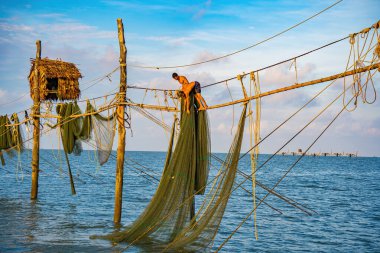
[58, 80]
[50, 80]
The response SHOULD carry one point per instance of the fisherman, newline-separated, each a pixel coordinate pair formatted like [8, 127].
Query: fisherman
[187, 88]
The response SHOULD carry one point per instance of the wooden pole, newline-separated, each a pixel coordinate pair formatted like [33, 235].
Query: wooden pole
[264, 94]
[300, 85]
[2, 159]
[121, 128]
[153, 107]
[36, 125]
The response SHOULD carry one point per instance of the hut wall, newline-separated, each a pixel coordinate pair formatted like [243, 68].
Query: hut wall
[65, 74]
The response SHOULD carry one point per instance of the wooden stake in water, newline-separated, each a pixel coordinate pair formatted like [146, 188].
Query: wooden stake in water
[36, 125]
[2, 159]
[121, 127]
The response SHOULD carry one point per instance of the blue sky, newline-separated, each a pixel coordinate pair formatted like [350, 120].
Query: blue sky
[178, 32]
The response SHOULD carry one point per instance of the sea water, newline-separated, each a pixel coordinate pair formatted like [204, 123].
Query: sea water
[341, 193]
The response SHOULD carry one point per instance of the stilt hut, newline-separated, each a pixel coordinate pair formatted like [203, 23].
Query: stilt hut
[58, 80]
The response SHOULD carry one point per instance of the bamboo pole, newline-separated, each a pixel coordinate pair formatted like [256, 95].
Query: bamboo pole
[299, 85]
[36, 125]
[121, 128]
[153, 107]
[264, 94]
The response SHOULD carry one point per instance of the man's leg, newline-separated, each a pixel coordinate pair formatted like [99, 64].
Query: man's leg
[187, 103]
[204, 102]
[199, 99]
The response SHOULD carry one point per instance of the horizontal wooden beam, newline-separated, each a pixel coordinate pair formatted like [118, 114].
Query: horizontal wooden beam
[299, 85]
[152, 107]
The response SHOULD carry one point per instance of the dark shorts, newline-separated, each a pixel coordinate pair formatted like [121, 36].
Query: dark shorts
[197, 87]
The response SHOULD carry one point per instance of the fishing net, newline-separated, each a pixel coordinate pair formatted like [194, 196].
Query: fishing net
[75, 129]
[201, 232]
[71, 128]
[11, 139]
[104, 129]
[203, 150]
[167, 222]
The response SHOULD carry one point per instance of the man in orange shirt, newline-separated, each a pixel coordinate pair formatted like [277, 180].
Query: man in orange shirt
[187, 88]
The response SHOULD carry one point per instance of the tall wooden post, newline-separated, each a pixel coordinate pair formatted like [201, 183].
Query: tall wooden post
[121, 127]
[36, 125]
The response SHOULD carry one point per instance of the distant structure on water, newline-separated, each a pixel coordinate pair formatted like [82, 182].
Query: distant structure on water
[300, 152]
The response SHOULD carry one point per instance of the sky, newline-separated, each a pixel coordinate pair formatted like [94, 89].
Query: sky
[167, 33]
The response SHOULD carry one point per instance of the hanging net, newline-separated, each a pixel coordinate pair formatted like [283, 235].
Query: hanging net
[104, 128]
[168, 222]
[11, 140]
[76, 127]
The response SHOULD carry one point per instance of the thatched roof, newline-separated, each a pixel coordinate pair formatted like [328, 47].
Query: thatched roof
[56, 69]
[66, 75]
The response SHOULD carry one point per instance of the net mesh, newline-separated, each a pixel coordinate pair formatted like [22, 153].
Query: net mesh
[75, 130]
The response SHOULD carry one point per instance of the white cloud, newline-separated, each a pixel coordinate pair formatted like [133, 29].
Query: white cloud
[15, 28]
[172, 40]
[8, 99]
[286, 74]
[207, 55]
[375, 132]
[141, 6]
[3, 94]
[51, 15]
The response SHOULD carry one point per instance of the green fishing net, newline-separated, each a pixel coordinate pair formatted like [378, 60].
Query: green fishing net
[167, 223]
[11, 139]
[91, 125]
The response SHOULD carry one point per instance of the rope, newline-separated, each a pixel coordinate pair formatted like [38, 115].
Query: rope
[282, 197]
[280, 62]
[241, 50]
[294, 163]
[233, 108]
[99, 79]
[261, 69]
[254, 130]
[162, 115]
[375, 26]
[296, 86]
[286, 199]
[15, 100]
[359, 57]
[280, 180]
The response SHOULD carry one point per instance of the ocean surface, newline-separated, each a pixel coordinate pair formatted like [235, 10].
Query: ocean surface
[342, 195]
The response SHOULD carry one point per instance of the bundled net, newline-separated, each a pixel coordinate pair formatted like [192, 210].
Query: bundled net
[75, 129]
[168, 223]
[71, 128]
[10, 135]
[199, 235]
[203, 149]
